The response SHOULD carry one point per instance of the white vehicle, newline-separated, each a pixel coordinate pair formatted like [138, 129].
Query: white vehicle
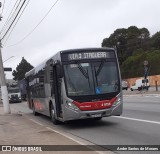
[139, 85]
[14, 94]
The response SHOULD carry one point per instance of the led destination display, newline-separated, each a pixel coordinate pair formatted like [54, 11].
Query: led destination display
[88, 55]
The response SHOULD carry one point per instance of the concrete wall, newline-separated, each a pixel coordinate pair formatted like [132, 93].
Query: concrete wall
[152, 80]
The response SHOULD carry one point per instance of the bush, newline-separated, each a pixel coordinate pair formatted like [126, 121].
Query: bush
[133, 65]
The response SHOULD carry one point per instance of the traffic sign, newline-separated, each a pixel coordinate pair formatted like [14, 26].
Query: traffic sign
[145, 63]
[8, 69]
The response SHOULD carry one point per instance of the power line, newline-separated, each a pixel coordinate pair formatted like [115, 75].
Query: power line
[13, 17]
[35, 26]
[16, 22]
[13, 20]
[10, 15]
[8, 7]
[3, 6]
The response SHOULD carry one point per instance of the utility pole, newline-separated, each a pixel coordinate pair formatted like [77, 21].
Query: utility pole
[146, 68]
[3, 85]
[4, 90]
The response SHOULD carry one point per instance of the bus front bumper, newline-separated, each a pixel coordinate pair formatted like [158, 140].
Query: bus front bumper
[74, 115]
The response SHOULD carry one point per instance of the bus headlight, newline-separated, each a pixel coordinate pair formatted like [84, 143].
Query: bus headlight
[72, 106]
[117, 101]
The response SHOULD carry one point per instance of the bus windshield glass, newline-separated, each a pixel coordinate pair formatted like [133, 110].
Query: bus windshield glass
[91, 78]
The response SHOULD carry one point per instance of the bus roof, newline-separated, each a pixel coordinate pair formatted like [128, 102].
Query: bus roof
[87, 49]
[57, 57]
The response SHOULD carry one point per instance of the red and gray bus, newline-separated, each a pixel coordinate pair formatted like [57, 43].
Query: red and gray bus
[76, 84]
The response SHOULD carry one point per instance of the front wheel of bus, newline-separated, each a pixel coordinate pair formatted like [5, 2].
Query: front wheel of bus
[52, 115]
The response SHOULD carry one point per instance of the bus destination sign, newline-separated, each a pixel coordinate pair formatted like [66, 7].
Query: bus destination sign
[88, 55]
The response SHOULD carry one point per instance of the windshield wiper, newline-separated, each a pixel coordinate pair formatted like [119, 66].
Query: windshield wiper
[100, 68]
[83, 71]
[98, 71]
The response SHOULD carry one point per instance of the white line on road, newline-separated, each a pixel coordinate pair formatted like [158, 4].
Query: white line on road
[36, 122]
[141, 120]
[75, 140]
[65, 135]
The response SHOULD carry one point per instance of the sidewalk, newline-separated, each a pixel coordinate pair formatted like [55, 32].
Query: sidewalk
[17, 129]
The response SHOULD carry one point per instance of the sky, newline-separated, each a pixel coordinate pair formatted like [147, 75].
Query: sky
[72, 24]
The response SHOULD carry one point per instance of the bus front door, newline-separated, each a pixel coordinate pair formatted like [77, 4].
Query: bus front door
[57, 91]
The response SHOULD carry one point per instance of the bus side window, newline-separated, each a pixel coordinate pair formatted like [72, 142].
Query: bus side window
[51, 81]
[40, 84]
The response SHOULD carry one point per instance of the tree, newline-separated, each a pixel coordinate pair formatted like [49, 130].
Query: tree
[21, 69]
[127, 41]
[118, 39]
[133, 66]
[145, 38]
[155, 41]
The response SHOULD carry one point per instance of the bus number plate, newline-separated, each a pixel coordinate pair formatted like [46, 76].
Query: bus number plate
[96, 115]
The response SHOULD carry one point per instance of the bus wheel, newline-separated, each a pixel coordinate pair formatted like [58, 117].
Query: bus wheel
[52, 115]
[34, 111]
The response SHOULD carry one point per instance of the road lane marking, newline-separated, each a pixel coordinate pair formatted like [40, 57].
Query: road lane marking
[75, 140]
[67, 136]
[36, 122]
[141, 120]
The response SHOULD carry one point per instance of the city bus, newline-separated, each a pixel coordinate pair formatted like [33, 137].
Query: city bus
[76, 84]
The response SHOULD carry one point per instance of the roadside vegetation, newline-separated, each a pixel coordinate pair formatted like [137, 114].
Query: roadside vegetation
[134, 45]
[21, 70]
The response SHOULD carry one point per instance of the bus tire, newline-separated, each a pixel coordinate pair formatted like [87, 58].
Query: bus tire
[34, 111]
[52, 115]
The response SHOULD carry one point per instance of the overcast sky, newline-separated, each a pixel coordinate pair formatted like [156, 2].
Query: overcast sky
[73, 24]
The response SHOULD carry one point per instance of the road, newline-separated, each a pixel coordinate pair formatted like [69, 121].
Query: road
[139, 124]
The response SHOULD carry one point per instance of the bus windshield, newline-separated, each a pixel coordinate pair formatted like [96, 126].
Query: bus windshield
[91, 78]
